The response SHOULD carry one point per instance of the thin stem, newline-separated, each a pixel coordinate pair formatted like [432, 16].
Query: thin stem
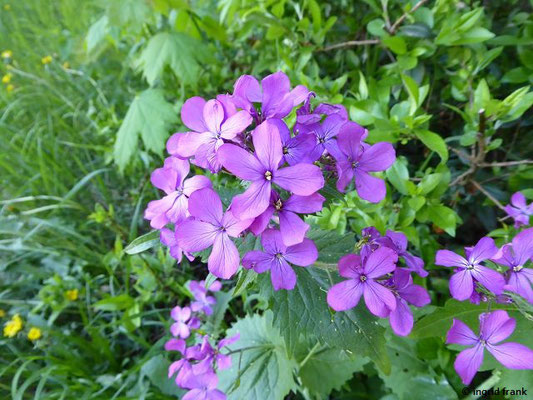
[399, 21]
[486, 193]
[310, 354]
[350, 43]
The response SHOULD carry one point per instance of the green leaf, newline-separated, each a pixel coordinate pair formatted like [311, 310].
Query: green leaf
[97, 33]
[434, 142]
[116, 303]
[150, 116]
[304, 312]
[412, 89]
[395, 43]
[331, 246]
[398, 176]
[156, 369]
[328, 369]
[182, 53]
[428, 183]
[143, 243]
[262, 365]
[444, 217]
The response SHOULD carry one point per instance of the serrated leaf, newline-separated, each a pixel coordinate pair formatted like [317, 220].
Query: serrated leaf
[143, 243]
[176, 50]
[150, 116]
[262, 368]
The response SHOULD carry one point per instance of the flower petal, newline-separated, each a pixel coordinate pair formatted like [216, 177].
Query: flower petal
[240, 163]
[304, 204]
[224, 259]
[165, 179]
[378, 299]
[235, 226]
[213, 115]
[483, 250]
[193, 235]
[205, 205]
[416, 295]
[292, 228]
[267, 144]
[275, 87]
[401, 319]
[257, 260]
[282, 275]
[261, 222]
[513, 355]
[496, 326]
[489, 278]
[192, 114]
[253, 202]
[297, 149]
[518, 200]
[195, 183]
[350, 266]
[302, 254]
[523, 246]
[461, 285]
[448, 258]
[380, 262]
[377, 157]
[349, 139]
[187, 144]
[300, 179]
[460, 333]
[468, 362]
[248, 88]
[345, 295]
[235, 124]
[369, 187]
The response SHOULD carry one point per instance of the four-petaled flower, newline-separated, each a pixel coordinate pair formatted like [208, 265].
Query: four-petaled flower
[276, 257]
[262, 169]
[398, 242]
[363, 275]
[203, 302]
[469, 270]
[494, 327]
[519, 210]
[356, 159]
[212, 227]
[180, 328]
[171, 179]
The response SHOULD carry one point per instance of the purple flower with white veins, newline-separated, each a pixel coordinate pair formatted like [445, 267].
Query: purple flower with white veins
[168, 238]
[276, 257]
[363, 275]
[295, 149]
[401, 284]
[262, 169]
[171, 179]
[515, 256]
[212, 227]
[210, 127]
[274, 93]
[494, 327]
[357, 159]
[291, 226]
[202, 301]
[324, 134]
[398, 242]
[519, 210]
[469, 270]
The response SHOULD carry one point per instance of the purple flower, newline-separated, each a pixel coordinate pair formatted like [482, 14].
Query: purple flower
[210, 356]
[180, 328]
[171, 179]
[168, 238]
[519, 210]
[212, 227]
[277, 256]
[515, 256]
[210, 126]
[203, 302]
[397, 241]
[370, 237]
[494, 327]
[206, 388]
[291, 226]
[274, 93]
[357, 159]
[262, 169]
[324, 134]
[401, 284]
[363, 275]
[305, 116]
[295, 149]
[469, 271]
[176, 345]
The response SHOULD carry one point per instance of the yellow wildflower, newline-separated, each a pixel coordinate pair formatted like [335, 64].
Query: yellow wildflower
[7, 78]
[66, 65]
[7, 54]
[12, 327]
[10, 88]
[34, 334]
[2, 313]
[72, 295]
[46, 60]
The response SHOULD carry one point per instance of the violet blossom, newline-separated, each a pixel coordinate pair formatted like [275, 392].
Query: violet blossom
[202, 301]
[262, 169]
[324, 134]
[168, 238]
[519, 210]
[171, 179]
[397, 241]
[212, 227]
[363, 274]
[181, 327]
[470, 270]
[356, 159]
[494, 327]
[276, 257]
[296, 149]
[291, 226]
[515, 256]
[210, 126]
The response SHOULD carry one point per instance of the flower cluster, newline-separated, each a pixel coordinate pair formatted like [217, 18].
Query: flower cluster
[519, 210]
[387, 288]
[247, 135]
[473, 280]
[196, 370]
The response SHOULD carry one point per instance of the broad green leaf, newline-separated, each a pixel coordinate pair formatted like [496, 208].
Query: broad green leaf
[150, 116]
[304, 313]
[116, 303]
[132, 12]
[412, 89]
[260, 366]
[395, 43]
[331, 246]
[156, 369]
[143, 243]
[182, 53]
[434, 142]
[97, 33]
[444, 217]
[428, 183]
[328, 369]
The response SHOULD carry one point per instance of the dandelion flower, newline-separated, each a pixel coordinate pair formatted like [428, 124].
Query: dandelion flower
[34, 334]
[12, 327]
